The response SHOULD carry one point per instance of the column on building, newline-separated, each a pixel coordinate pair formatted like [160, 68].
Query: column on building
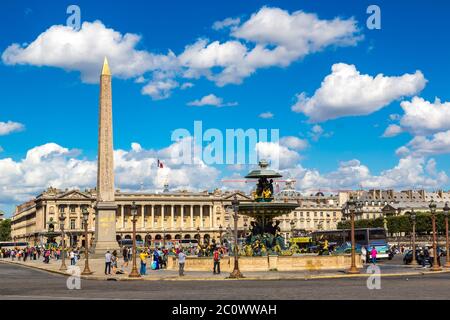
[162, 216]
[79, 219]
[172, 217]
[142, 216]
[152, 209]
[211, 217]
[122, 215]
[182, 216]
[201, 216]
[191, 210]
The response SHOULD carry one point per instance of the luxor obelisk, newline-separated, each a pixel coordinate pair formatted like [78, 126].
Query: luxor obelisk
[105, 207]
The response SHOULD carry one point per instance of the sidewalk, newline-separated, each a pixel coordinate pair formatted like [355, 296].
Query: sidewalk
[97, 266]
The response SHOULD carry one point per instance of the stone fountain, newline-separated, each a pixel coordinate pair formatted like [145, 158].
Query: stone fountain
[265, 232]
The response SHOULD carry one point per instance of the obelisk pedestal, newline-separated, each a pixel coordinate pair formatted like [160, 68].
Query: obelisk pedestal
[106, 207]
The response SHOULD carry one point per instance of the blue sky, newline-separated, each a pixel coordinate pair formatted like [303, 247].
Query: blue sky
[54, 107]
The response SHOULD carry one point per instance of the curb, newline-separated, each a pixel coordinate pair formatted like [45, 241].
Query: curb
[278, 278]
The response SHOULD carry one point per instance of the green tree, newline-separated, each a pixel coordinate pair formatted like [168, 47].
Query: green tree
[5, 230]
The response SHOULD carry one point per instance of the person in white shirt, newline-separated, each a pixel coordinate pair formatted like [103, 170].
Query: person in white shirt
[108, 258]
[181, 262]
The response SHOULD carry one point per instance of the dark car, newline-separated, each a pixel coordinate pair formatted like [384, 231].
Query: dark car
[407, 258]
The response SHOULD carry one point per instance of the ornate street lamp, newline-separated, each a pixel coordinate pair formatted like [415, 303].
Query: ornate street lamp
[86, 270]
[220, 233]
[352, 208]
[446, 212]
[134, 272]
[413, 217]
[198, 234]
[236, 274]
[432, 206]
[245, 229]
[62, 218]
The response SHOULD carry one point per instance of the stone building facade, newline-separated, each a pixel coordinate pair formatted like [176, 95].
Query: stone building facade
[315, 211]
[380, 203]
[167, 215]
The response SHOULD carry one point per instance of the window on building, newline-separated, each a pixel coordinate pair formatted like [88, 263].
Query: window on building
[72, 224]
[315, 214]
[72, 209]
[321, 214]
[61, 209]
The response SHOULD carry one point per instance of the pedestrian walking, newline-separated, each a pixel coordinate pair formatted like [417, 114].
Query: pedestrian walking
[217, 257]
[373, 255]
[431, 256]
[143, 255]
[125, 257]
[108, 258]
[364, 254]
[114, 262]
[181, 262]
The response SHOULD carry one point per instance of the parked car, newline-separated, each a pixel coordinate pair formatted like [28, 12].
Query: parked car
[407, 258]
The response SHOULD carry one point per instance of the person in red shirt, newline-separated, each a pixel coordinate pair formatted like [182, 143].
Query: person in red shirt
[217, 257]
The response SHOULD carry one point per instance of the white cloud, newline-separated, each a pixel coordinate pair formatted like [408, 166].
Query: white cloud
[266, 115]
[270, 37]
[298, 32]
[394, 117]
[438, 143]
[273, 37]
[53, 165]
[318, 132]
[63, 47]
[10, 127]
[226, 23]
[423, 117]
[159, 89]
[392, 130]
[211, 100]
[294, 143]
[279, 156]
[410, 172]
[347, 92]
[186, 85]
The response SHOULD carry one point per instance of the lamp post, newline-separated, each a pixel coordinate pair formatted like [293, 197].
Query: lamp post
[351, 208]
[164, 237]
[62, 218]
[432, 206]
[86, 270]
[236, 274]
[413, 217]
[198, 234]
[446, 212]
[134, 272]
[220, 234]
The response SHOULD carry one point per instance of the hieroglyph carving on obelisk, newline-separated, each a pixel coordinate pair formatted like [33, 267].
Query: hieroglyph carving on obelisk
[106, 207]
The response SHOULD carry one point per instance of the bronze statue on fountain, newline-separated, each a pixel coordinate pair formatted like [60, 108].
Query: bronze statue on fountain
[265, 234]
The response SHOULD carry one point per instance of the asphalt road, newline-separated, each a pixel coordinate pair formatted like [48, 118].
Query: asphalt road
[25, 283]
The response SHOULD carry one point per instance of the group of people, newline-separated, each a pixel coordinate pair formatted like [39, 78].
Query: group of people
[426, 255]
[370, 255]
[158, 258]
[35, 253]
